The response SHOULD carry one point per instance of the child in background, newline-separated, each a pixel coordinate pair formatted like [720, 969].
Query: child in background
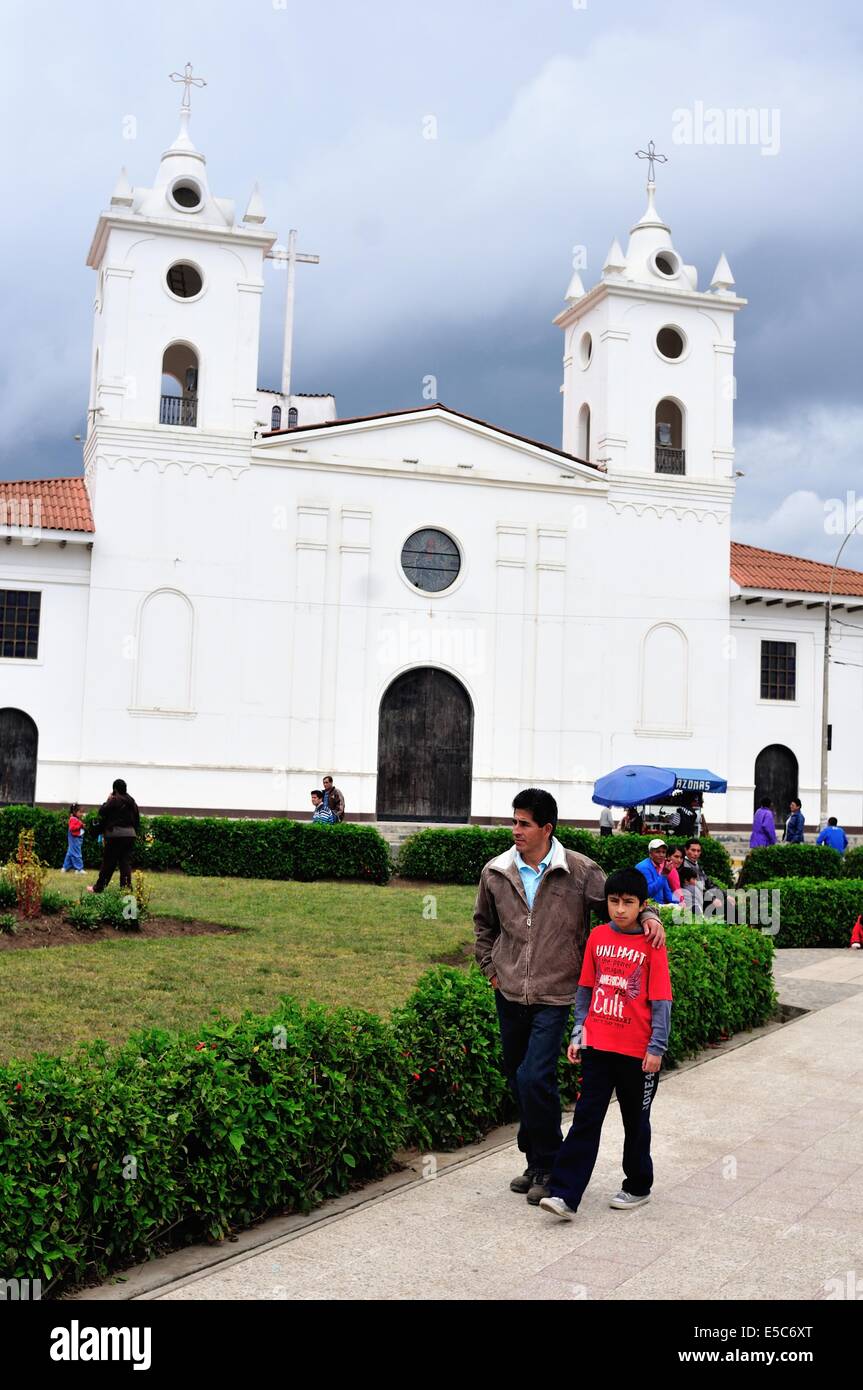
[75, 839]
[693, 893]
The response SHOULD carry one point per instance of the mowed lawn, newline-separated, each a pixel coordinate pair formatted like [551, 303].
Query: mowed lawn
[339, 943]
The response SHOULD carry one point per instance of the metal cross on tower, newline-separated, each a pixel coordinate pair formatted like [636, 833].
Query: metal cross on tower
[188, 82]
[654, 158]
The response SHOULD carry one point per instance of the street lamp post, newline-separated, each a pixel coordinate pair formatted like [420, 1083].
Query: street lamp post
[825, 690]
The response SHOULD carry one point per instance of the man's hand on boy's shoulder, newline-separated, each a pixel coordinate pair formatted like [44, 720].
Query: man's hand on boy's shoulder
[654, 931]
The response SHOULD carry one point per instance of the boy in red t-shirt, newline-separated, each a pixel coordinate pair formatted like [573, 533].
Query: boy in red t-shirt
[622, 1015]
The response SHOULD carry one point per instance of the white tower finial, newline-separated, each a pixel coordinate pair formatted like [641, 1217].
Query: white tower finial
[723, 280]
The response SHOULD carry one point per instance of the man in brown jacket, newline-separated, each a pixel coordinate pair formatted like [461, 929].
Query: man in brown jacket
[334, 799]
[532, 919]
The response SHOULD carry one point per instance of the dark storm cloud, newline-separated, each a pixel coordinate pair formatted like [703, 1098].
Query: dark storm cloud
[449, 256]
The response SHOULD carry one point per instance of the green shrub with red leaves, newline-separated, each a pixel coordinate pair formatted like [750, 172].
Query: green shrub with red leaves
[721, 979]
[447, 1034]
[110, 1155]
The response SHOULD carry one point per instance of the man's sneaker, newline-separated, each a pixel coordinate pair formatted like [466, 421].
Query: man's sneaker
[624, 1201]
[556, 1206]
[523, 1183]
[538, 1188]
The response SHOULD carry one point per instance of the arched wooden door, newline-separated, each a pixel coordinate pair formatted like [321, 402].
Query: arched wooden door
[425, 748]
[19, 741]
[776, 774]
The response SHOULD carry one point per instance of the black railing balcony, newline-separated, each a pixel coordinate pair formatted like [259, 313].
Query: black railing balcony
[670, 460]
[178, 410]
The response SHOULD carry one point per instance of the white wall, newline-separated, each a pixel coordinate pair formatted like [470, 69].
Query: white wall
[300, 617]
[756, 723]
[51, 688]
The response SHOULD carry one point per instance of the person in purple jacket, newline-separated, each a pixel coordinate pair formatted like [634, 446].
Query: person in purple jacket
[763, 828]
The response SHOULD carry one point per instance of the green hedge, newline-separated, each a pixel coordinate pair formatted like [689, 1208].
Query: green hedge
[816, 911]
[447, 1032]
[722, 982]
[104, 1152]
[458, 856]
[852, 862]
[50, 827]
[108, 1155]
[218, 847]
[789, 861]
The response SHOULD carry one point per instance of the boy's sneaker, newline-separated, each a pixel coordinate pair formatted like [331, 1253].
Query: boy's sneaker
[539, 1187]
[556, 1206]
[523, 1183]
[625, 1200]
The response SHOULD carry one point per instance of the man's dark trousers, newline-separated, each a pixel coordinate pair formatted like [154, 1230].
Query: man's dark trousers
[116, 853]
[603, 1073]
[532, 1037]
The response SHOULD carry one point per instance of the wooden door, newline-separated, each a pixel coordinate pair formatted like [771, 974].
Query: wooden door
[425, 748]
[19, 740]
[776, 775]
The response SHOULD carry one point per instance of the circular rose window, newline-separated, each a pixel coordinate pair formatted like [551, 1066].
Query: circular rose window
[431, 560]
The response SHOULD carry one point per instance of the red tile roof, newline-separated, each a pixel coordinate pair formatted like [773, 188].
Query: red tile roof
[64, 504]
[753, 568]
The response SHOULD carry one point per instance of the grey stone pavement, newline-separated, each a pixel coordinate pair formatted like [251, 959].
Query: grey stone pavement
[758, 1152]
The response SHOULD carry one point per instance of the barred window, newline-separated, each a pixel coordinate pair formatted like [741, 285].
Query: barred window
[778, 670]
[19, 623]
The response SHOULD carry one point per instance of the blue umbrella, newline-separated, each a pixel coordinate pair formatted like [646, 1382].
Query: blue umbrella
[632, 784]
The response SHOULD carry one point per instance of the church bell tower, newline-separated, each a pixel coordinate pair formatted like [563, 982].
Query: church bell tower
[648, 386]
[177, 308]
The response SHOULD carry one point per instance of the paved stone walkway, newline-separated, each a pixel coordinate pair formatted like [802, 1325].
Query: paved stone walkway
[759, 1191]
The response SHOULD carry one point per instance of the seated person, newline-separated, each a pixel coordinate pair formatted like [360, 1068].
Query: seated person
[321, 814]
[834, 836]
[712, 893]
[671, 871]
[658, 887]
[693, 896]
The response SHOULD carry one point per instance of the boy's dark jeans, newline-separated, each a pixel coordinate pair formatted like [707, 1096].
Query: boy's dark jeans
[532, 1037]
[603, 1073]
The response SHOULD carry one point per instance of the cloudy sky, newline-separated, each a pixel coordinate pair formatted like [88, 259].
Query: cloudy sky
[449, 256]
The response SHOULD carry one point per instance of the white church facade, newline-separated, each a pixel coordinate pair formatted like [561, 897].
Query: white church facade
[245, 592]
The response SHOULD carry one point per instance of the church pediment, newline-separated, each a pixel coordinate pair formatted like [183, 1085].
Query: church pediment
[431, 439]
